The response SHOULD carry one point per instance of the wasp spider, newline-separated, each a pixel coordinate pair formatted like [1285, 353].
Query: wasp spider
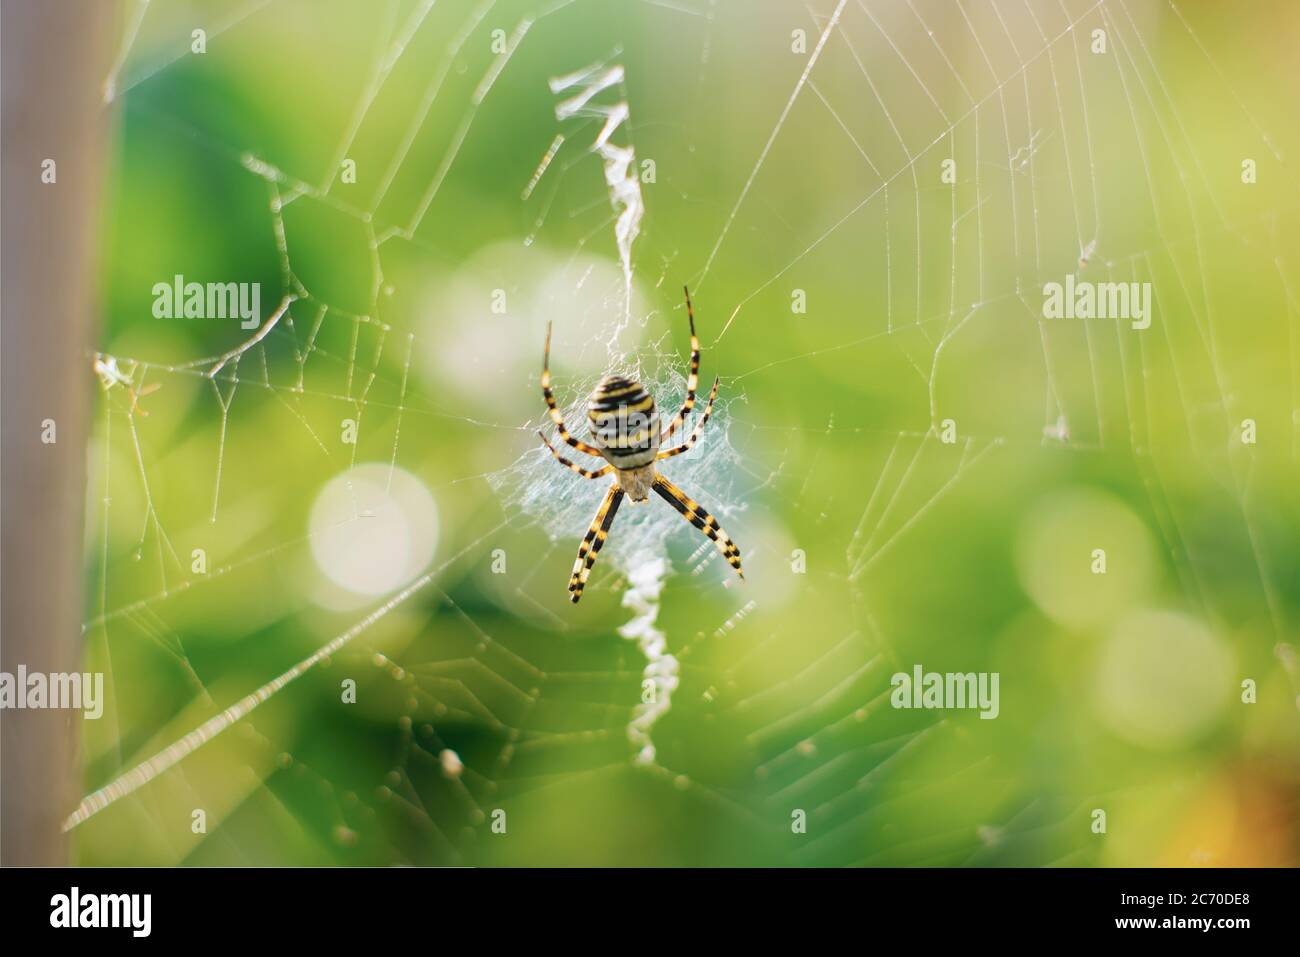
[625, 431]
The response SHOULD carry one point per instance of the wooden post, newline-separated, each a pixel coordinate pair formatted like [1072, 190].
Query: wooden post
[53, 64]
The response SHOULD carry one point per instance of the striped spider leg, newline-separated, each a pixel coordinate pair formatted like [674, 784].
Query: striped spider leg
[693, 379]
[699, 426]
[691, 510]
[599, 531]
[585, 473]
[697, 515]
[593, 542]
[554, 409]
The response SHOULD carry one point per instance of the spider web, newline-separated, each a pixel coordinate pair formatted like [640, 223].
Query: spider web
[481, 692]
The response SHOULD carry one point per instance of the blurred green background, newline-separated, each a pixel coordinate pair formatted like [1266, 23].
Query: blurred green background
[871, 543]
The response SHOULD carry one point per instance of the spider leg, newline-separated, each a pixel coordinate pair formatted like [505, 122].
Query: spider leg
[692, 380]
[554, 409]
[585, 473]
[699, 427]
[593, 542]
[697, 515]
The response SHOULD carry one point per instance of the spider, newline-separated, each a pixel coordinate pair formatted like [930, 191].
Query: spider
[625, 429]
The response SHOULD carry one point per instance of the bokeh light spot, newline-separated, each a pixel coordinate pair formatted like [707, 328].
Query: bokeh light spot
[1057, 554]
[1163, 679]
[373, 528]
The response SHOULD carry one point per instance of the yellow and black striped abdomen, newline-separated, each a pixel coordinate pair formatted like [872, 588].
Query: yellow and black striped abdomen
[624, 423]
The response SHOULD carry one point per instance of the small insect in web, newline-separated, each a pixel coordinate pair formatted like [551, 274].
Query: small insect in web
[1086, 253]
[625, 428]
[110, 375]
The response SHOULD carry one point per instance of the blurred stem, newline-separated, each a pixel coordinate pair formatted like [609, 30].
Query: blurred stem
[54, 61]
